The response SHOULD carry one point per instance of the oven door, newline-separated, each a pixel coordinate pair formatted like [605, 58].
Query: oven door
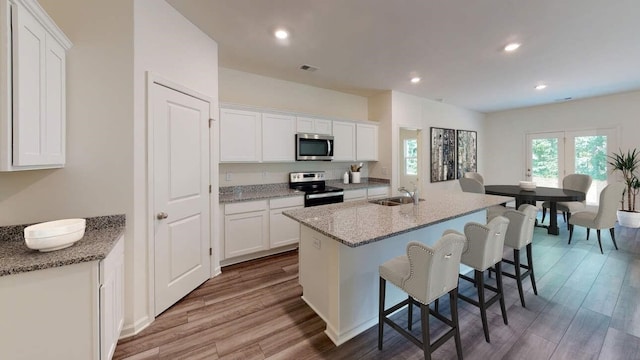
[314, 147]
[323, 198]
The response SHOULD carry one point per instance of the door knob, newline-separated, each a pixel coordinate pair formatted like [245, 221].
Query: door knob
[162, 215]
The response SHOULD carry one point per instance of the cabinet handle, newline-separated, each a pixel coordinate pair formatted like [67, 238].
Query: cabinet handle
[162, 215]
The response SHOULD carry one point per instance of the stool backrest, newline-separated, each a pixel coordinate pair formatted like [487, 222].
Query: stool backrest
[521, 223]
[474, 175]
[471, 185]
[485, 243]
[434, 270]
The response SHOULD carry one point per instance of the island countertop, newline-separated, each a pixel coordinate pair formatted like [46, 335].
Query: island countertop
[359, 222]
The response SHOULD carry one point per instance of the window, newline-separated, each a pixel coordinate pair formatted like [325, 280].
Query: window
[411, 156]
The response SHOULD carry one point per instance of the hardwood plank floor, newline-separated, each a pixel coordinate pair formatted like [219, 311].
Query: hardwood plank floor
[587, 308]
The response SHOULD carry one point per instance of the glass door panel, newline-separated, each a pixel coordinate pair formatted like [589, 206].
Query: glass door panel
[545, 163]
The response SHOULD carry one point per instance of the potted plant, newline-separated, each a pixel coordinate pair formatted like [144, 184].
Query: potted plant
[628, 163]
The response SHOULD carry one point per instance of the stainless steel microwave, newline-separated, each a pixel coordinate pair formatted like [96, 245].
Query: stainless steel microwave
[310, 147]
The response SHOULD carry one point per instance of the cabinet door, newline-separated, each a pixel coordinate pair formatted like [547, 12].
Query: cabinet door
[344, 141]
[323, 127]
[39, 101]
[240, 136]
[278, 138]
[313, 125]
[367, 142]
[111, 300]
[246, 233]
[283, 230]
[378, 193]
[354, 195]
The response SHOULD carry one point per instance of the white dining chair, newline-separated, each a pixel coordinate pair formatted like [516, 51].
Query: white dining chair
[577, 182]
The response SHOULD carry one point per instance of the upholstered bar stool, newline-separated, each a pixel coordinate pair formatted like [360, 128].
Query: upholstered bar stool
[519, 235]
[484, 250]
[472, 185]
[425, 274]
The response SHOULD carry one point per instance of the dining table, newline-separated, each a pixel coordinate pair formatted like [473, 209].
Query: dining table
[539, 193]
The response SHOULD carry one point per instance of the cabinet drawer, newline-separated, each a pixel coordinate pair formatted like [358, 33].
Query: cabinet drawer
[243, 207]
[378, 191]
[286, 202]
[359, 194]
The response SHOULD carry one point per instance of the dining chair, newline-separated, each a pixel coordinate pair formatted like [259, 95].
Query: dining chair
[520, 235]
[471, 185]
[484, 250]
[604, 218]
[425, 273]
[577, 182]
[474, 175]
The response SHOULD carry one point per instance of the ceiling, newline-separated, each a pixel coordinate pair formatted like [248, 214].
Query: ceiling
[579, 48]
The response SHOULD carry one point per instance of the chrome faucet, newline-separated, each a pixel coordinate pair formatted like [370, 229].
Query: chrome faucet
[413, 194]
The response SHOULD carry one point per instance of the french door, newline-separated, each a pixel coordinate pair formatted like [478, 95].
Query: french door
[552, 155]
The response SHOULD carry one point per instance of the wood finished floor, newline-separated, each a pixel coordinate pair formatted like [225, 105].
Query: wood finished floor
[588, 307]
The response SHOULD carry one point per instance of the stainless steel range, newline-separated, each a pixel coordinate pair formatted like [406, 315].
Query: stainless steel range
[313, 185]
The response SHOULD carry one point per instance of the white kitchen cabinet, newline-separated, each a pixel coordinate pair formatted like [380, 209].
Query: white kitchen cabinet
[344, 141]
[283, 230]
[354, 195]
[246, 228]
[241, 136]
[378, 192]
[313, 125]
[67, 312]
[278, 138]
[32, 88]
[366, 142]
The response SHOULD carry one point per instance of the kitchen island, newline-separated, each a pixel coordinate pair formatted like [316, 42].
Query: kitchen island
[342, 245]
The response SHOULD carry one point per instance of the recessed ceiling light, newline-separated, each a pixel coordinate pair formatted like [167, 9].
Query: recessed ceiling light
[512, 47]
[415, 80]
[540, 86]
[281, 34]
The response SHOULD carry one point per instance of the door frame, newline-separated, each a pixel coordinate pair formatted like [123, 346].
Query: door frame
[154, 78]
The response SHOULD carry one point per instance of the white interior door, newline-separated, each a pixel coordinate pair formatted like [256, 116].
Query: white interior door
[181, 194]
[551, 156]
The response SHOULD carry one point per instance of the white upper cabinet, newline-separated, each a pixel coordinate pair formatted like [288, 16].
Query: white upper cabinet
[313, 126]
[367, 142]
[278, 138]
[241, 136]
[344, 141]
[32, 88]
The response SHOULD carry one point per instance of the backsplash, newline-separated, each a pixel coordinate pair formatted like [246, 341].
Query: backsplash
[256, 174]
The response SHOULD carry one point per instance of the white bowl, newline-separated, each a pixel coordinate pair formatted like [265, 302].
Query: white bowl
[527, 185]
[54, 235]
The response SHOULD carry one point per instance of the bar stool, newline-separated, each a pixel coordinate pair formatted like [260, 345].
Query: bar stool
[425, 274]
[519, 235]
[484, 250]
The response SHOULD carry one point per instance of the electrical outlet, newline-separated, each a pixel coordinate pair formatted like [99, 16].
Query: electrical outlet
[265, 174]
[385, 171]
[317, 243]
[228, 177]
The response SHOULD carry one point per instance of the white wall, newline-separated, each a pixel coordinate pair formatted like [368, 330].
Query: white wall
[238, 87]
[504, 144]
[172, 47]
[414, 112]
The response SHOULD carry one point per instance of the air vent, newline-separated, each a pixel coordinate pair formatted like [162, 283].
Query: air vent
[306, 67]
[564, 99]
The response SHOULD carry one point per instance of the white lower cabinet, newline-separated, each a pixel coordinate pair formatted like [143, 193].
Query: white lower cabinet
[246, 228]
[378, 192]
[68, 312]
[283, 230]
[354, 195]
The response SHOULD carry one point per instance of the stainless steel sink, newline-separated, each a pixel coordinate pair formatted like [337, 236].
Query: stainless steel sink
[394, 201]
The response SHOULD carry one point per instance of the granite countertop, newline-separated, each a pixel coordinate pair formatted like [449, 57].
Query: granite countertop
[231, 194]
[99, 238]
[360, 222]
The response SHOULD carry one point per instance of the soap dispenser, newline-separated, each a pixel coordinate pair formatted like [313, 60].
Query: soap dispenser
[345, 177]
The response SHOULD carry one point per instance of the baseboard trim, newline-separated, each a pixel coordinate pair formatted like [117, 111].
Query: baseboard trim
[132, 329]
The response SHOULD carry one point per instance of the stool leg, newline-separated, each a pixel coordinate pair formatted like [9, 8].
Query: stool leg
[588, 232]
[570, 232]
[544, 214]
[426, 343]
[530, 262]
[613, 237]
[383, 284]
[453, 299]
[503, 307]
[410, 312]
[599, 242]
[516, 262]
[483, 307]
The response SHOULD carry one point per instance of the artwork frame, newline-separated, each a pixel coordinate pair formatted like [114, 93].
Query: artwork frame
[467, 152]
[443, 154]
